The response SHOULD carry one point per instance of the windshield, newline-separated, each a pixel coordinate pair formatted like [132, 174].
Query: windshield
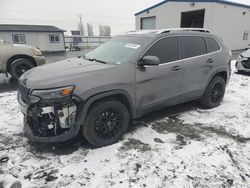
[117, 50]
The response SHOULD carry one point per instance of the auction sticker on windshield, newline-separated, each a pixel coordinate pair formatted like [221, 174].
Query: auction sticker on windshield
[130, 45]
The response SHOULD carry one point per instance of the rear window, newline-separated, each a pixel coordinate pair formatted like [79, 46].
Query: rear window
[193, 46]
[212, 45]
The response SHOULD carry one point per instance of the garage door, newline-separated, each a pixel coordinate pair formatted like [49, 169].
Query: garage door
[148, 23]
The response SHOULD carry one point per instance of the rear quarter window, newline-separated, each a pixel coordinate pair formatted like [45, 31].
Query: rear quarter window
[193, 46]
[212, 45]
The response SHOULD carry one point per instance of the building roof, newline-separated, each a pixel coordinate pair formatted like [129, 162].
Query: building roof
[29, 28]
[198, 1]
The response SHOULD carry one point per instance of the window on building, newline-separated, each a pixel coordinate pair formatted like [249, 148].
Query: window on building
[18, 38]
[167, 49]
[193, 18]
[212, 45]
[193, 46]
[148, 23]
[245, 35]
[54, 38]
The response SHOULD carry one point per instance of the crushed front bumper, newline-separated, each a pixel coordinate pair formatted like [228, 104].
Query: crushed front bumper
[243, 65]
[51, 121]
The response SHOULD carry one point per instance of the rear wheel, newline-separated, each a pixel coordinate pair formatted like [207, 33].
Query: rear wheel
[214, 93]
[106, 123]
[20, 66]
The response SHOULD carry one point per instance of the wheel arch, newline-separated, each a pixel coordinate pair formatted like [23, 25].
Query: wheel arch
[119, 95]
[221, 72]
[19, 56]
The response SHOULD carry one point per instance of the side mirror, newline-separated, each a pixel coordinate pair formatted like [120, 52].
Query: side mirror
[149, 60]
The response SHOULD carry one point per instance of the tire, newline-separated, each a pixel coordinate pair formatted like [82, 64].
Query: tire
[19, 66]
[106, 122]
[214, 93]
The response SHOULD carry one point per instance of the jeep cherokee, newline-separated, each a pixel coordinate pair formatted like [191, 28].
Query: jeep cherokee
[126, 77]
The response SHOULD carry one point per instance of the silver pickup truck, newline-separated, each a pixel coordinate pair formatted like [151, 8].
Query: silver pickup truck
[17, 59]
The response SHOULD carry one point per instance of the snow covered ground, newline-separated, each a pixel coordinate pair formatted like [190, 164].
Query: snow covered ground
[182, 146]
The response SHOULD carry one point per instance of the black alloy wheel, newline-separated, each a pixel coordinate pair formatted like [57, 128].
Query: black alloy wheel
[214, 93]
[217, 93]
[106, 122]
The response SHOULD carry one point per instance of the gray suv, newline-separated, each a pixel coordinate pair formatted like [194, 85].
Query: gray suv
[128, 76]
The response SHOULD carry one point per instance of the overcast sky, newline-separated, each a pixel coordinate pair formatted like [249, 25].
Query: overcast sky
[119, 14]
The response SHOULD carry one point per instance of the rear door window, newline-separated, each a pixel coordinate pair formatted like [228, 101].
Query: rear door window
[166, 49]
[193, 46]
[212, 45]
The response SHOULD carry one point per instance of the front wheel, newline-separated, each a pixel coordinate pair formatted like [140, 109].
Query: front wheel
[20, 66]
[214, 93]
[106, 123]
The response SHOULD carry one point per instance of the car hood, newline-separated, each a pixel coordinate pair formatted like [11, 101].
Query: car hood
[22, 46]
[63, 73]
[246, 53]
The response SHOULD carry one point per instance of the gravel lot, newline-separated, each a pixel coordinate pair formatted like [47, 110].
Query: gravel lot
[180, 146]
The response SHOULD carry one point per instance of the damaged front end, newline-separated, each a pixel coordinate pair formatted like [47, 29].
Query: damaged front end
[243, 62]
[50, 120]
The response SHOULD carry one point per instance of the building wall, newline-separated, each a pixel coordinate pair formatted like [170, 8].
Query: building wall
[227, 21]
[37, 39]
[231, 24]
[168, 15]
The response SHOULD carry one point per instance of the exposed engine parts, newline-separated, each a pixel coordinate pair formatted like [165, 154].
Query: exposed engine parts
[52, 119]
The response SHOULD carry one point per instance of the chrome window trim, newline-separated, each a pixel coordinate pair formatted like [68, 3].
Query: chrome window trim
[171, 62]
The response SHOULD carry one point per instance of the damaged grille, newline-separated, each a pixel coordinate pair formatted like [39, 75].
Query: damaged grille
[24, 92]
[54, 119]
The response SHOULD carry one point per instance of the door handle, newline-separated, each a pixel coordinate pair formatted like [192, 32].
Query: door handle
[210, 61]
[176, 68]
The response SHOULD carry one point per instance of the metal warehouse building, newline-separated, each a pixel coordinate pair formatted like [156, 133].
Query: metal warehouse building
[47, 38]
[229, 20]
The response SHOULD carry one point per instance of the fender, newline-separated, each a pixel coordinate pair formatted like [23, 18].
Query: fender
[96, 97]
[222, 69]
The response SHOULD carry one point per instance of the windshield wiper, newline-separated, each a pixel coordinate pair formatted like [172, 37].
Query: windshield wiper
[96, 60]
[100, 61]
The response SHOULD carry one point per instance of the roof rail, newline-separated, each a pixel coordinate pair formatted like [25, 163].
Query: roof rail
[183, 29]
[161, 31]
[140, 32]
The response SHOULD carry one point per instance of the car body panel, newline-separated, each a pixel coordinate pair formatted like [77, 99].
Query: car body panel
[149, 88]
[77, 72]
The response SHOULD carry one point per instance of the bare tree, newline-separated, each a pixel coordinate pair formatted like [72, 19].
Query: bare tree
[80, 26]
[90, 30]
[104, 30]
